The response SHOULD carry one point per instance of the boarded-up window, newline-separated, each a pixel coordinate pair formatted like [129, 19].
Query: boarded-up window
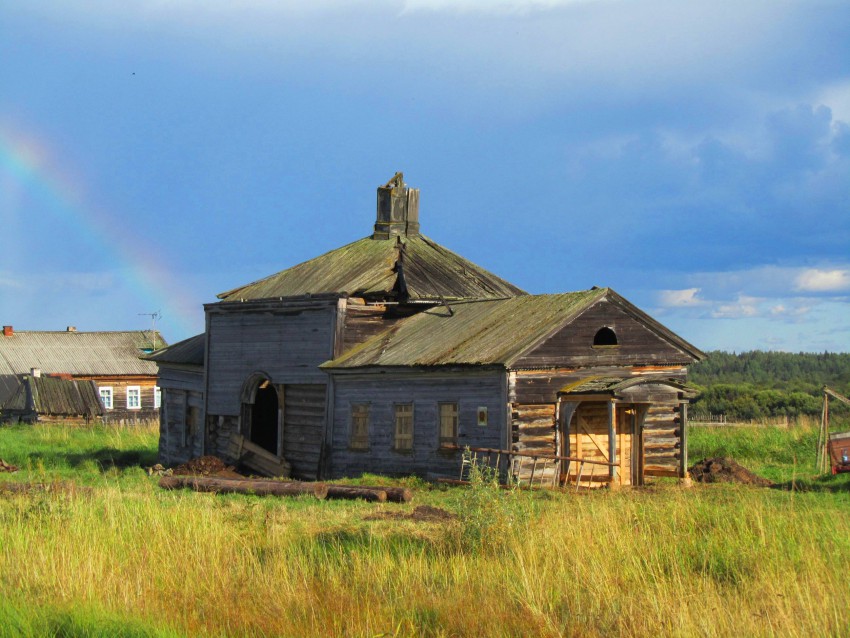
[359, 426]
[404, 426]
[448, 424]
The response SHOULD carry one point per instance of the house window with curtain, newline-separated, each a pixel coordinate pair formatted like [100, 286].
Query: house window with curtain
[106, 397]
[134, 397]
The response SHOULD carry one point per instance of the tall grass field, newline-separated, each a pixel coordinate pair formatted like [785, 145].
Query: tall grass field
[94, 548]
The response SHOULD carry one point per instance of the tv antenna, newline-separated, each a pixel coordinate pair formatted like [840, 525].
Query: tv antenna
[154, 316]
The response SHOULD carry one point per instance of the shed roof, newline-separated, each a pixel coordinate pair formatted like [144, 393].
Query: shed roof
[369, 268]
[187, 352]
[486, 332]
[54, 396]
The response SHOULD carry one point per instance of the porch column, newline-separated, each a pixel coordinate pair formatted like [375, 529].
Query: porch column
[612, 439]
[683, 424]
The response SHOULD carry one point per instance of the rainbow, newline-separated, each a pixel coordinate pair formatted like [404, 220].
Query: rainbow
[29, 164]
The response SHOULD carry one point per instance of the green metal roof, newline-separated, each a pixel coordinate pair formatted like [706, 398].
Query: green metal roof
[485, 332]
[368, 268]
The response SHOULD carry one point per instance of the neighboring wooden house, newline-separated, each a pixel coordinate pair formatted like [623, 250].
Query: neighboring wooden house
[57, 399]
[127, 385]
[392, 353]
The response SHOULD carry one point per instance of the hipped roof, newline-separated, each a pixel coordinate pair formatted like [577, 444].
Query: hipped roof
[368, 268]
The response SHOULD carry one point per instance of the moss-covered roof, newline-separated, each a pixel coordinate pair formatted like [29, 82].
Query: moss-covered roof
[490, 332]
[370, 268]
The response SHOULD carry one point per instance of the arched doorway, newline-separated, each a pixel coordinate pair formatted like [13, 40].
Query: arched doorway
[261, 413]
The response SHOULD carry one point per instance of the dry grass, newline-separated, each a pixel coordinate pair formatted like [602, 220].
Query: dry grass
[128, 559]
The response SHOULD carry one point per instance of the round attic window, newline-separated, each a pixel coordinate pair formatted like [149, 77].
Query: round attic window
[605, 337]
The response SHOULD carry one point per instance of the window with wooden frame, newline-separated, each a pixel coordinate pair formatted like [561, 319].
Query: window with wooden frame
[134, 397]
[448, 424]
[157, 397]
[359, 427]
[106, 396]
[403, 427]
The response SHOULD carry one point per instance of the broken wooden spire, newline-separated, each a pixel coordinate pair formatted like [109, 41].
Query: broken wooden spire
[398, 209]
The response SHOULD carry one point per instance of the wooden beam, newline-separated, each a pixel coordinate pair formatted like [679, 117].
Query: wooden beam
[260, 487]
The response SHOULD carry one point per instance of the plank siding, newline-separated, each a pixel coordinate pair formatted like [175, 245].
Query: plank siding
[286, 342]
[303, 428]
[425, 391]
[573, 344]
[182, 402]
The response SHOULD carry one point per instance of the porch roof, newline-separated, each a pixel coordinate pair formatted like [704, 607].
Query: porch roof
[616, 386]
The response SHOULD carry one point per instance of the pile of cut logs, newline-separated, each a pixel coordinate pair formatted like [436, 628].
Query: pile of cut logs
[271, 487]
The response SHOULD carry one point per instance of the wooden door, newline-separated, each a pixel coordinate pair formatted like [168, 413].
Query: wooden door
[589, 439]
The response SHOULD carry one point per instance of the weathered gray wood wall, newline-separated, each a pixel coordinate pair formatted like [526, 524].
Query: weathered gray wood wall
[470, 389]
[181, 416]
[303, 428]
[637, 344]
[286, 340]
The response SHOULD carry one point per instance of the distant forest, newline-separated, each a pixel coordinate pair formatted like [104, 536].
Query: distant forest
[753, 385]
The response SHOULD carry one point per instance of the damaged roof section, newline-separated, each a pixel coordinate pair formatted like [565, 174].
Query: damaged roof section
[368, 268]
[474, 333]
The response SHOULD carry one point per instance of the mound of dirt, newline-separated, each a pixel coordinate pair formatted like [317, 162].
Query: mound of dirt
[725, 470]
[207, 466]
[421, 514]
[7, 467]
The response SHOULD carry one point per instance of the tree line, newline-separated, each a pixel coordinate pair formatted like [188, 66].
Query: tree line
[757, 384]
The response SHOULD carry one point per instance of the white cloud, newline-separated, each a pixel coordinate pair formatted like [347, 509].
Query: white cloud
[837, 98]
[743, 306]
[680, 298]
[816, 280]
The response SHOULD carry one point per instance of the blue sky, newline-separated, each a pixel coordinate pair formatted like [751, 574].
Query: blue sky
[694, 156]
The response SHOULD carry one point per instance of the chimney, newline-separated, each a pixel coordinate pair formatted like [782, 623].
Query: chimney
[8, 331]
[35, 373]
[398, 210]
[71, 328]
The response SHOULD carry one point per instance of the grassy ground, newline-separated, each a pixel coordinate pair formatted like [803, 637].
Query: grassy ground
[102, 551]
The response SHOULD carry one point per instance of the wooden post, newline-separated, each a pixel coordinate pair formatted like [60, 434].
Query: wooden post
[683, 456]
[612, 440]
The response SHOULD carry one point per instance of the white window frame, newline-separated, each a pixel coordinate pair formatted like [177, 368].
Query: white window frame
[157, 397]
[131, 389]
[106, 390]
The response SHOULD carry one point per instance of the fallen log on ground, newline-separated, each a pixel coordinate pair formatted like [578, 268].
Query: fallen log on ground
[259, 487]
[372, 494]
[394, 494]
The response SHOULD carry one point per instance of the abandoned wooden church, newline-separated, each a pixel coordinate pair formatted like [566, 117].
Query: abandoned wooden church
[392, 354]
